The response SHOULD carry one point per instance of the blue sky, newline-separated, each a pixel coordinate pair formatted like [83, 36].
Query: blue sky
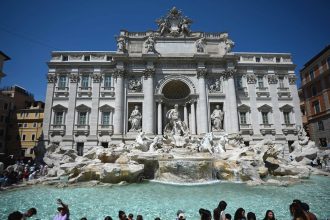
[30, 30]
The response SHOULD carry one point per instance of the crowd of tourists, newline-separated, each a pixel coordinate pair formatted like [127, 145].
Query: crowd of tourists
[298, 210]
[22, 172]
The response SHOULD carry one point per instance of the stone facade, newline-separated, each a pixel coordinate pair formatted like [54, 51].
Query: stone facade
[91, 95]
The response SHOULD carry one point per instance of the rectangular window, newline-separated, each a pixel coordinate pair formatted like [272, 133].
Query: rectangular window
[82, 118]
[316, 107]
[34, 124]
[109, 58]
[58, 119]
[107, 81]
[260, 82]
[242, 117]
[26, 114]
[105, 118]
[87, 57]
[84, 82]
[25, 125]
[36, 114]
[286, 117]
[33, 137]
[265, 118]
[281, 82]
[258, 59]
[23, 137]
[278, 59]
[80, 148]
[320, 125]
[62, 82]
[311, 74]
[65, 58]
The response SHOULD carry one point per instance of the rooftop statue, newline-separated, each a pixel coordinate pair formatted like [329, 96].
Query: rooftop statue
[174, 24]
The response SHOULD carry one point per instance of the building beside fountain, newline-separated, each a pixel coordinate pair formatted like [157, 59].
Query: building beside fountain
[104, 97]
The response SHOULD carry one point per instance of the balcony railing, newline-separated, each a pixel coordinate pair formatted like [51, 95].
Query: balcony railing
[107, 91]
[262, 92]
[61, 91]
[105, 129]
[267, 129]
[57, 129]
[81, 129]
[283, 92]
[84, 91]
[289, 129]
[246, 129]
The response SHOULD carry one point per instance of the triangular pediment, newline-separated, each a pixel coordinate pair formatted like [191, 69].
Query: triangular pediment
[286, 108]
[83, 107]
[243, 108]
[265, 108]
[106, 108]
[59, 108]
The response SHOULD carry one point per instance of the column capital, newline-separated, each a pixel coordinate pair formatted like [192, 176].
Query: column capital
[251, 78]
[272, 79]
[229, 73]
[201, 72]
[119, 73]
[149, 72]
[97, 77]
[52, 78]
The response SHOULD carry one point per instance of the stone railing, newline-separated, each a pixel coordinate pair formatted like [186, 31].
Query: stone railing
[283, 92]
[262, 92]
[61, 91]
[84, 91]
[267, 129]
[81, 129]
[107, 91]
[105, 129]
[57, 129]
[246, 129]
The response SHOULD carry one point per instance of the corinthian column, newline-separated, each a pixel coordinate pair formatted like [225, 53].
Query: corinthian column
[159, 130]
[202, 102]
[231, 104]
[148, 116]
[118, 120]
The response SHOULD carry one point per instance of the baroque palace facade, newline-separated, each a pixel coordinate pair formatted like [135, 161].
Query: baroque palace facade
[103, 97]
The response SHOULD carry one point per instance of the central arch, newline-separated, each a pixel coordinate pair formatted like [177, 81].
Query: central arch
[176, 89]
[177, 79]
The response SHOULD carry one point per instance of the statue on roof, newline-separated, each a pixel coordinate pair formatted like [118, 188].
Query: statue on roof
[174, 24]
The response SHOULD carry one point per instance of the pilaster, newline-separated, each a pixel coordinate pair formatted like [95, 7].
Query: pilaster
[51, 78]
[202, 102]
[148, 115]
[118, 121]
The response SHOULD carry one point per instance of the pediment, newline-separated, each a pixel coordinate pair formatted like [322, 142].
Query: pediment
[243, 108]
[83, 107]
[106, 108]
[286, 108]
[265, 108]
[59, 108]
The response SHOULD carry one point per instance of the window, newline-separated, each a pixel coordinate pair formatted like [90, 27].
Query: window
[105, 118]
[25, 125]
[109, 58]
[320, 125]
[265, 117]
[82, 118]
[316, 107]
[5, 107]
[286, 117]
[258, 59]
[23, 137]
[239, 83]
[36, 114]
[260, 81]
[22, 114]
[87, 58]
[314, 91]
[311, 74]
[278, 59]
[281, 82]
[26, 114]
[34, 124]
[58, 119]
[62, 82]
[242, 117]
[323, 142]
[84, 81]
[65, 58]
[33, 137]
[107, 81]
[20, 125]
[31, 151]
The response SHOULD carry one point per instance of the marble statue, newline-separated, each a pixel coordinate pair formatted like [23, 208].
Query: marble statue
[150, 44]
[156, 144]
[185, 26]
[200, 44]
[135, 119]
[302, 136]
[206, 143]
[175, 125]
[121, 45]
[217, 119]
[162, 26]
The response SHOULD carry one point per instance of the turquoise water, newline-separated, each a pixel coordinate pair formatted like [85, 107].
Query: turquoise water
[161, 200]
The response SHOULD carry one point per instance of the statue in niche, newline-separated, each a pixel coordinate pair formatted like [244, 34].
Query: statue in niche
[217, 119]
[135, 85]
[150, 44]
[200, 44]
[216, 86]
[175, 125]
[135, 119]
